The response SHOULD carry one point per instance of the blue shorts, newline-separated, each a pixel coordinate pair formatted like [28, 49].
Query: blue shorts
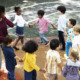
[30, 75]
[20, 31]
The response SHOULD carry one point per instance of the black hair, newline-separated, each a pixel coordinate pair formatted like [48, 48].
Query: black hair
[8, 39]
[41, 12]
[54, 44]
[2, 10]
[31, 46]
[62, 9]
[73, 21]
[16, 8]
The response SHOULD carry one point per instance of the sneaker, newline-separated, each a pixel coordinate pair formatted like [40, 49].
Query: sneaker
[66, 56]
[47, 43]
[16, 48]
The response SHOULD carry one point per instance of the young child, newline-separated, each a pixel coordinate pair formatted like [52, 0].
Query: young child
[61, 25]
[10, 57]
[72, 67]
[72, 23]
[29, 60]
[20, 26]
[53, 60]
[43, 27]
[3, 28]
[76, 40]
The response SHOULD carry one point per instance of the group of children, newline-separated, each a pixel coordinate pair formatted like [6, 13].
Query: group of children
[72, 66]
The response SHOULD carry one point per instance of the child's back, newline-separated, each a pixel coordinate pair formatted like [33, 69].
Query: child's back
[71, 70]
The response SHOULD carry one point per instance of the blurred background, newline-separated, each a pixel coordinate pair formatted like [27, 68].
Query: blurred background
[29, 12]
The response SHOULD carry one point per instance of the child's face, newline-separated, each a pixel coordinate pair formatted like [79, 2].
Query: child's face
[69, 23]
[19, 12]
[3, 14]
[40, 16]
[76, 33]
[60, 12]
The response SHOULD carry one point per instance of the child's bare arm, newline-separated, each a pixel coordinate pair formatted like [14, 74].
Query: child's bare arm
[54, 27]
[71, 38]
[16, 57]
[20, 60]
[59, 65]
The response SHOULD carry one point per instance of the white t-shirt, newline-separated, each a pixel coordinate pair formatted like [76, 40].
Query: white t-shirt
[53, 58]
[62, 23]
[20, 21]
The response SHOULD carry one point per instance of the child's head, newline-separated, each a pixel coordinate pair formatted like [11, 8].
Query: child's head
[61, 9]
[2, 11]
[55, 44]
[72, 22]
[18, 10]
[30, 46]
[74, 54]
[41, 13]
[8, 41]
[76, 29]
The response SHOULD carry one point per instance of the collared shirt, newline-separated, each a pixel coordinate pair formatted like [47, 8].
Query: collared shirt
[53, 58]
[19, 21]
[9, 58]
[70, 33]
[61, 23]
[43, 25]
[30, 62]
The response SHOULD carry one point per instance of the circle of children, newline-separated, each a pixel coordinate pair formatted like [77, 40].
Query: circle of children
[72, 66]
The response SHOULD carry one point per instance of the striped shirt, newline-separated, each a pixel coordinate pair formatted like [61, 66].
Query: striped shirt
[43, 25]
[53, 58]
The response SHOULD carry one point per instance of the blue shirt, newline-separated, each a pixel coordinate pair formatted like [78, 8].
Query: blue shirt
[9, 58]
[70, 32]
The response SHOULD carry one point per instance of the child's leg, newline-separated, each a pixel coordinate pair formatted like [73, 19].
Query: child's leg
[53, 77]
[44, 38]
[41, 40]
[11, 75]
[27, 75]
[34, 75]
[22, 40]
[68, 45]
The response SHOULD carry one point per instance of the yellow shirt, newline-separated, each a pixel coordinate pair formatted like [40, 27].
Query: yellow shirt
[30, 62]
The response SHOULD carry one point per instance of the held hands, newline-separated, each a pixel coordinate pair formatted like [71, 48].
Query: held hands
[43, 70]
[20, 60]
[30, 26]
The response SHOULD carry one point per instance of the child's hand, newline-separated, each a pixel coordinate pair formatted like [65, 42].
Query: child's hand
[54, 27]
[30, 26]
[66, 33]
[43, 70]
[20, 60]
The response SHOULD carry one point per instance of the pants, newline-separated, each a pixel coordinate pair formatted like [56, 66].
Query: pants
[0, 57]
[68, 45]
[30, 75]
[53, 77]
[11, 75]
[61, 38]
[43, 38]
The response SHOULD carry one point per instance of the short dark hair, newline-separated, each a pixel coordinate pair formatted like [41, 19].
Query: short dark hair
[16, 8]
[2, 10]
[8, 39]
[62, 9]
[41, 12]
[54, 44]
[31, 46]
[73, 21]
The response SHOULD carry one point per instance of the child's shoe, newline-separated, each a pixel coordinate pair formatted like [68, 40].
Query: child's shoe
[66, 56]
[47, 43]
[15, 48]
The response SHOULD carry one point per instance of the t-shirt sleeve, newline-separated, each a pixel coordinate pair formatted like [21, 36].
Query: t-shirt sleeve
[24, 58]
[15, 20]
[58, 58]
[37, 21]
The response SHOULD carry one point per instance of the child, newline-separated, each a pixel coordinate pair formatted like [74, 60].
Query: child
[3, 28]
[53, 60]
[10, 57]
[20, 26]
[71, 69]
[43, 27]
[61, 25]
[29, 60]
[72, 23]
[76, 40]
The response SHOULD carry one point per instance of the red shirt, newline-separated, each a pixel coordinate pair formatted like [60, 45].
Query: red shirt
[3, 28]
